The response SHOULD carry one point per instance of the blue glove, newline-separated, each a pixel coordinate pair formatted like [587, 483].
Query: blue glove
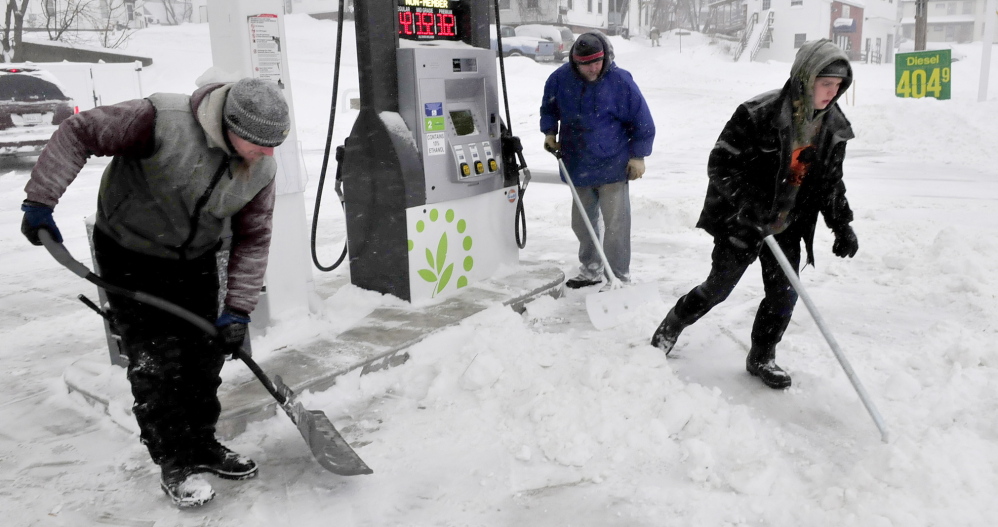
[232, 326]
[38, 216]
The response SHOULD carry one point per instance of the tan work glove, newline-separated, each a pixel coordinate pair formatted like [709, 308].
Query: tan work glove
[635, 168]
[551, 144]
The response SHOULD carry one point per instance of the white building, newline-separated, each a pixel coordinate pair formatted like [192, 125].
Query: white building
[947, 21]
[774, 29]
[613, 17]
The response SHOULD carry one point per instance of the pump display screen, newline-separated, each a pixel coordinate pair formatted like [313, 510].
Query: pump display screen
[427, 20]
[464, 123]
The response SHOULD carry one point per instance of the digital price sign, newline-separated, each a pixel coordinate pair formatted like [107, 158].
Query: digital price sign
[427, 20]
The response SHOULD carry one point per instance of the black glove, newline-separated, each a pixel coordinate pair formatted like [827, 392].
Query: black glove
[38, 216]
[846, 243]
[232, 326]
[748, 227]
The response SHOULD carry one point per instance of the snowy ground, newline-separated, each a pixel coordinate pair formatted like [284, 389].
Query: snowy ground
[539, 419]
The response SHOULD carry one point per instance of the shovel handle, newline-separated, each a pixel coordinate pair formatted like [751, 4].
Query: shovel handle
[611, 276]
[774, 247]
[62, 255]
[267, 383]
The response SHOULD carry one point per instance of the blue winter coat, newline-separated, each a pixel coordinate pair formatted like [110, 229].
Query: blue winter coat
[603, 123]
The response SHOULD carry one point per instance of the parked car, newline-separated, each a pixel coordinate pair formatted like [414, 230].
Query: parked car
[32, 105]
[562, 37]
[539, 49]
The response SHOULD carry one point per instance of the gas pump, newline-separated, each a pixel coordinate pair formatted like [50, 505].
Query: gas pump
[428, 196]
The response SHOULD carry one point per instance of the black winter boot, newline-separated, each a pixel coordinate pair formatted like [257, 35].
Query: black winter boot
[186, 488]
[761, 362]
[668, 331]
[215, 458]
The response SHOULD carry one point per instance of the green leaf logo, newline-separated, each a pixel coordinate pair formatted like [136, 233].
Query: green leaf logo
[439, 270]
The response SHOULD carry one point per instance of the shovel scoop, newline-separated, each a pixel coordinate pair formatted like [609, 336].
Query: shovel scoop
[618, 303]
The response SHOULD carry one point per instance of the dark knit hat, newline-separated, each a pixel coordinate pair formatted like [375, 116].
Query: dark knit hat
[588, 49]
[839, 68]
[256, 111]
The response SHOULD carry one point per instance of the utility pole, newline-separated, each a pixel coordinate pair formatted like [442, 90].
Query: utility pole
[921, 23]
[987, 41]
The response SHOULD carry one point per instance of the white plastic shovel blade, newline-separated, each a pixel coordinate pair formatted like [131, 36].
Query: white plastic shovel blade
[616, 306]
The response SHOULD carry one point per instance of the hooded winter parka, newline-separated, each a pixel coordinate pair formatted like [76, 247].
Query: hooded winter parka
[750, 163]
[172, 184]
[603, 123]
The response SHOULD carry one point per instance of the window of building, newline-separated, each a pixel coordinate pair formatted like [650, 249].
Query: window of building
[845, 11]
[570, 5]
[950, 32]
[799, 39]
[968, 8]
[589, 6]
[951, 8]
[599, 6]
[796, 2]
[941, 6]
[765, 4]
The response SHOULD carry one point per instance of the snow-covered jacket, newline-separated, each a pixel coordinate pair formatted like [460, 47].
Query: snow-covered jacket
[603, 123]
[750, 163]
[173, 182]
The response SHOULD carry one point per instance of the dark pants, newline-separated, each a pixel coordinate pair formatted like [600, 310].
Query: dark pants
[172, 365]
[728, 264]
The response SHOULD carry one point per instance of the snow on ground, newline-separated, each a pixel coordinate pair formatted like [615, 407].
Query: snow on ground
[537, 419]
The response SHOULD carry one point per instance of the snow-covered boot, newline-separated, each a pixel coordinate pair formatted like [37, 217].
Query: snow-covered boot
[214, 457]
[761, 362]
[668, 331]
[184, 487]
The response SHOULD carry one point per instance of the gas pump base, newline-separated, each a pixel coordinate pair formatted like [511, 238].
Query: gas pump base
[377, 342]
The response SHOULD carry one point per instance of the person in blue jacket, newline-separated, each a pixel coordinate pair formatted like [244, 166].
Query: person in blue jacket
[595, 115]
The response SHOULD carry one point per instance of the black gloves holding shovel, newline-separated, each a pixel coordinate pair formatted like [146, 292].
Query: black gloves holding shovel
[748, 227]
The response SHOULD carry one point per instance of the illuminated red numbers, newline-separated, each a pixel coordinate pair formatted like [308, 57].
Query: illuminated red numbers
[425, 23]
[405, 23]
[445, 25]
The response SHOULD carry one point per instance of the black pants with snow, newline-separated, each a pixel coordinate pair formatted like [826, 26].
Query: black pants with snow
[173, 366]
[728, 264]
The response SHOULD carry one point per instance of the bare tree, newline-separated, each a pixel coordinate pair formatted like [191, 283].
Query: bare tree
[12, 30]
[106, 20]
[694, 13]
[62, 19]
[533, 11]
[177, 11]
[664, 14]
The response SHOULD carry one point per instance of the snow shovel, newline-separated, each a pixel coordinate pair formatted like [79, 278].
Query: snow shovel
[608, 308]
[327, 445]
[791, 273]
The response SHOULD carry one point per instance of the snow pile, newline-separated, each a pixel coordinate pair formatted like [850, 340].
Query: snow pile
[537, 419]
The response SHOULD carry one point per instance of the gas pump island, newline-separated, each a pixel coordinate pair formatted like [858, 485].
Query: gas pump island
[430, 195]
[430, 204]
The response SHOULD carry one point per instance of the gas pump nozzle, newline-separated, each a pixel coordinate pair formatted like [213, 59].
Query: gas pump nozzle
[512, 158]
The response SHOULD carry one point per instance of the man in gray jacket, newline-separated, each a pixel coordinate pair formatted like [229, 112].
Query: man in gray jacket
[183, 169]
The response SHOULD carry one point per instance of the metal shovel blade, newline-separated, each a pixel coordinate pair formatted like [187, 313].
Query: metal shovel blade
[616, 306]
[327, 445]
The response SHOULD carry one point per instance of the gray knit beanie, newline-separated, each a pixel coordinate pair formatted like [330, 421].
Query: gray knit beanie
[256, 111]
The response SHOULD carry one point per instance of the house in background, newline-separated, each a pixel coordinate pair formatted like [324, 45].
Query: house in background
[613, 17]
[102, 15]
[775, 29]
[948, 21]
